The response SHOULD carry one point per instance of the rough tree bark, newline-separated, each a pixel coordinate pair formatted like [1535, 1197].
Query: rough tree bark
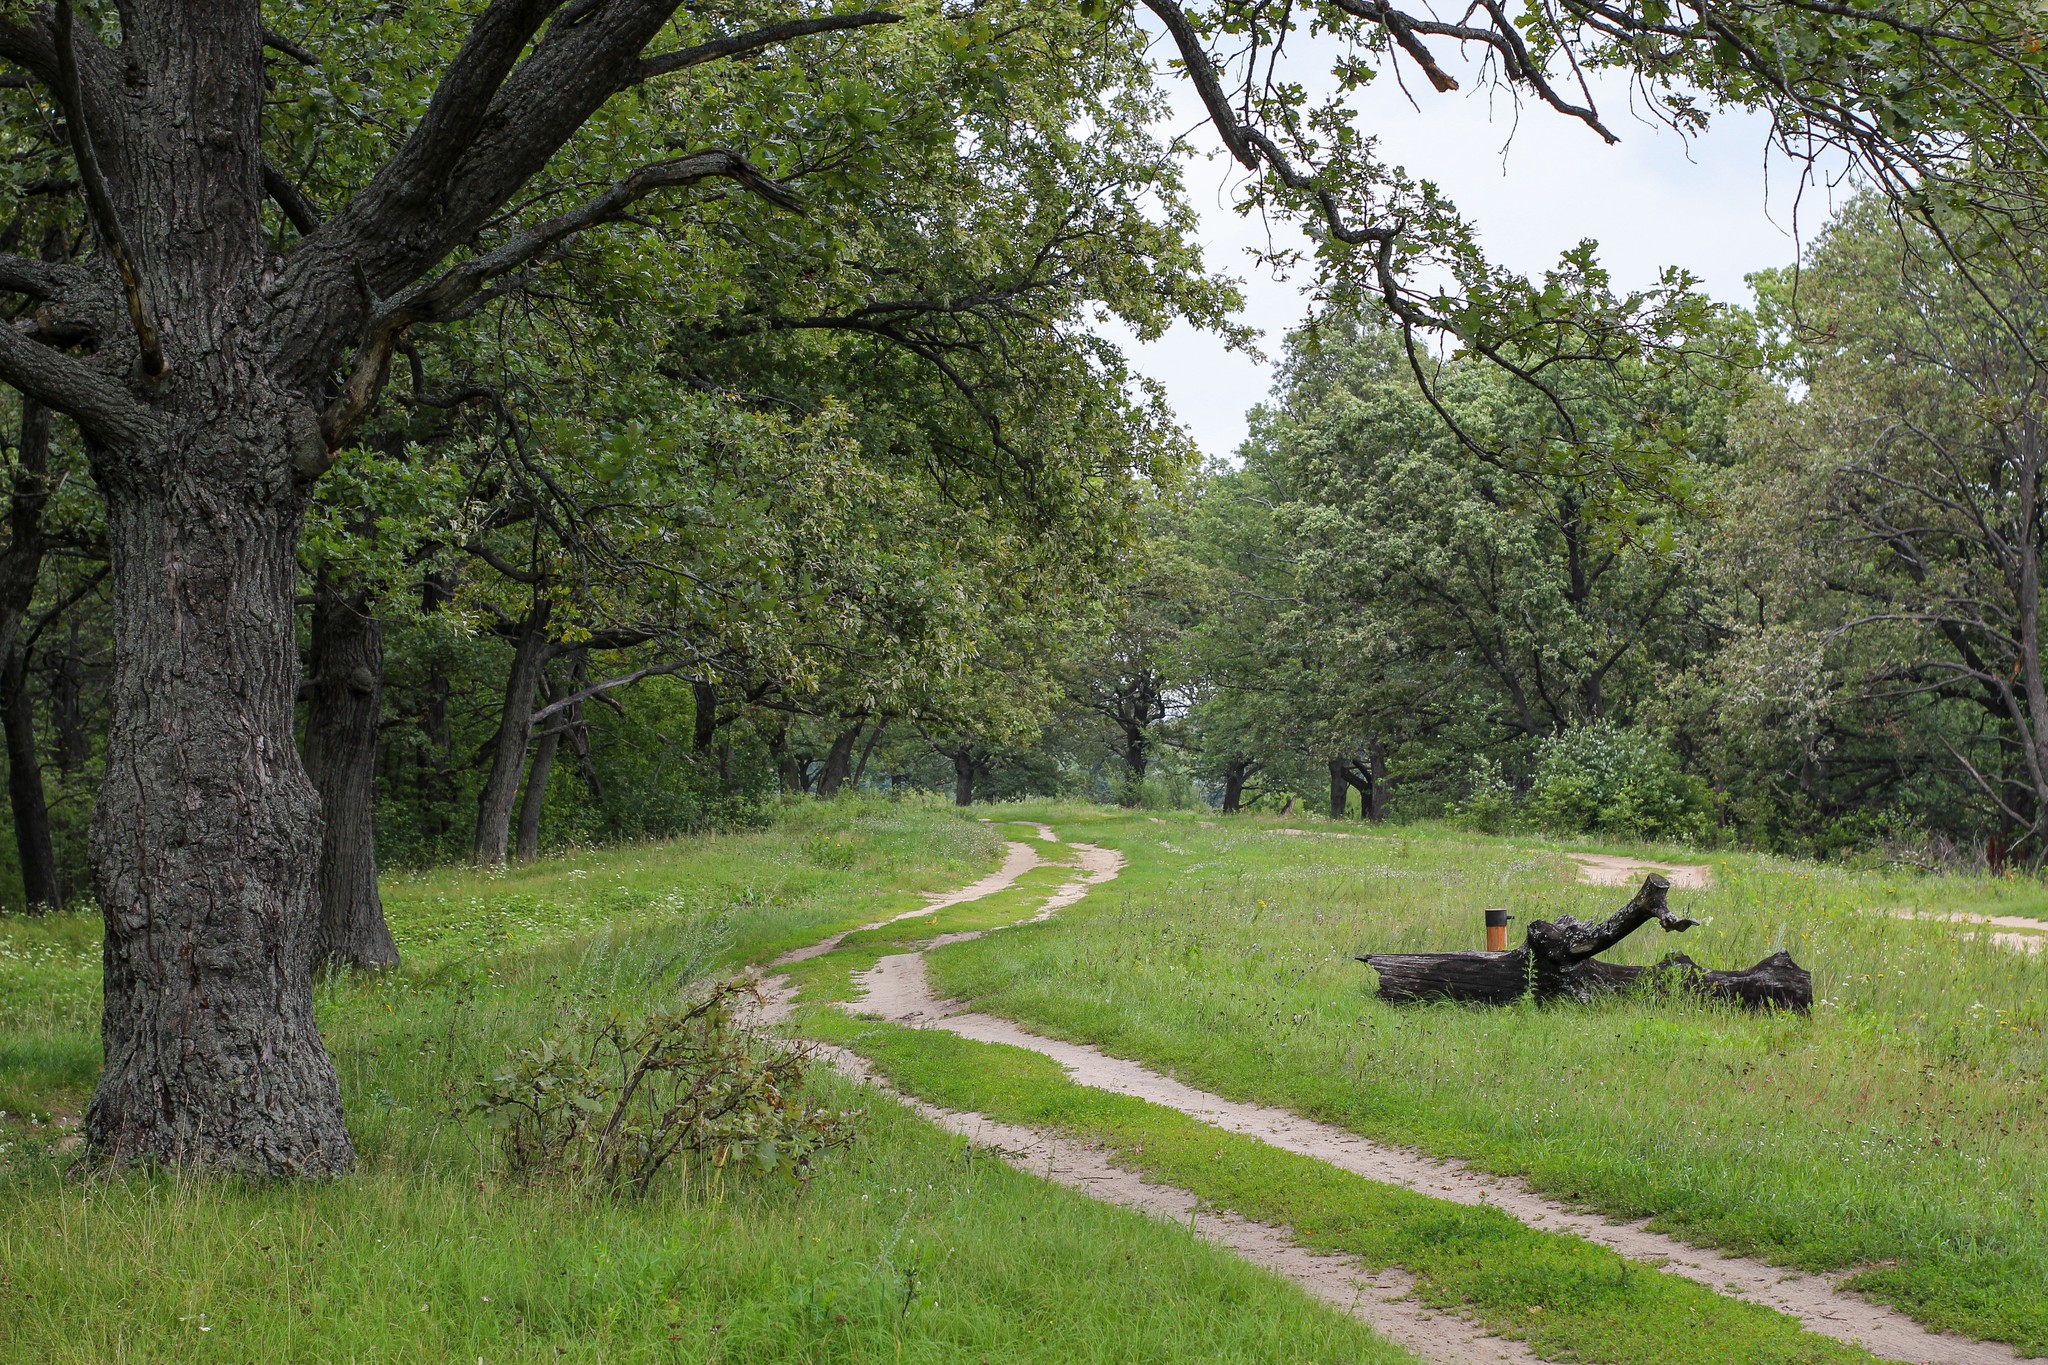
[1556, 960]
[1340, 787]
[344, 691]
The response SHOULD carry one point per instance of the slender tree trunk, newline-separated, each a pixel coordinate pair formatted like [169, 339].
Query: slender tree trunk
[64, 684]
[206, 838]
[576, 732]
[345, 689]
[838, 761]
[39, 884]
[704, 721]
[534, 799]
[21, 565]
[964, 773]
[868, 751]
[530, 655]
[1340, 787]
[435, 754]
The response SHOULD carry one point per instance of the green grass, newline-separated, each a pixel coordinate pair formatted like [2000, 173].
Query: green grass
[1901, 1131]
[906, 1247]
[1569, 1299]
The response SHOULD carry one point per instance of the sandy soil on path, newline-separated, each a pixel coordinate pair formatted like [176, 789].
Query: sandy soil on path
[1606, 869]
[1380, 1301]
[2020, 942]
[1017, 860]
[898, 989]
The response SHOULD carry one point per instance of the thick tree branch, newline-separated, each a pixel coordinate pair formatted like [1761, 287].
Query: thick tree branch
[100, 201]
[277, 42]
[29, 46]
[459, 291]
[299, 210]
[494, 124]
[103, 410]
[504, 566]
[597, 689]
[463, 99]
[37, 279]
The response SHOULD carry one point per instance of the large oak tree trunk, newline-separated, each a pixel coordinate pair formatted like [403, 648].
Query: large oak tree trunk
[965, 771]
[206, 837]
[344, 691]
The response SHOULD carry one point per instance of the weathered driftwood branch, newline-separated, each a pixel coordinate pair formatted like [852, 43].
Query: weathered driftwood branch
[1556, 960]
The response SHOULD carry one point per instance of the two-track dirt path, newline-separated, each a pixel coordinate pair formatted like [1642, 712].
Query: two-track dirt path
[898, 989]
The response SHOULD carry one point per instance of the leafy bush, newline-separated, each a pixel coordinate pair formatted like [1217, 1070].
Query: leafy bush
[1489, 808]
[610, 1103]
[1606, 779]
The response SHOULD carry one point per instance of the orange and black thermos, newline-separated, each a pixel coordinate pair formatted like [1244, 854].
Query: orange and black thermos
[1497, 930]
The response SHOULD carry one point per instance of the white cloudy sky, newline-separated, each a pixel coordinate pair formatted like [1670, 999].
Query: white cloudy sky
[1720, 205]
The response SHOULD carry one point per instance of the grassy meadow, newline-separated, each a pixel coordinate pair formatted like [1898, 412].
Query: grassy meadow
[1900, 1133]
[907, 1246]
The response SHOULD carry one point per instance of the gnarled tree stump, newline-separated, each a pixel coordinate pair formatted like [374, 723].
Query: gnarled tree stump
[1557, 959]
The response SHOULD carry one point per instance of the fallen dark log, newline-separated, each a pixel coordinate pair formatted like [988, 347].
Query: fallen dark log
[1557, 960]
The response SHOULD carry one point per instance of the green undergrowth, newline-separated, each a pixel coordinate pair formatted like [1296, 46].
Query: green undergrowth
[1900, 1132]
[1567, 1298]
[906, 1246]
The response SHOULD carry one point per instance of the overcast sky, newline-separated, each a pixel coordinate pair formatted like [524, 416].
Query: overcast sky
[1719, 205]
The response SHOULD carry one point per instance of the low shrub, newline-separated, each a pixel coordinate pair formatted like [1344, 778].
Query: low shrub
[1604, 779]
[610, 1103]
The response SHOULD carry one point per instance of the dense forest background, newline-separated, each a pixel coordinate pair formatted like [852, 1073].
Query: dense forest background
[1791, 602]
[747, 500]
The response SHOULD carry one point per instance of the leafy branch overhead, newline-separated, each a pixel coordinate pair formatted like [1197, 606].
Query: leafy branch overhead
[1940, 104]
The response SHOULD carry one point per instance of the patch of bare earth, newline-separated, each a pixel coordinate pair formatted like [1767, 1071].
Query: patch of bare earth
[1379, 1300]
[1606, 869]
[2025, 936]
